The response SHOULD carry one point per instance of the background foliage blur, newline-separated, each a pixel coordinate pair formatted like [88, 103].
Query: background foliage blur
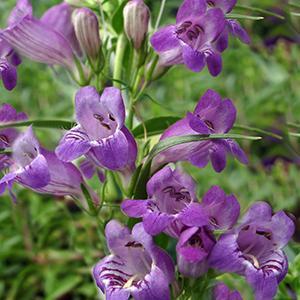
[47, 248]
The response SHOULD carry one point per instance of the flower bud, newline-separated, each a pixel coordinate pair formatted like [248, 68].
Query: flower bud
[87, 32]
[136, 20]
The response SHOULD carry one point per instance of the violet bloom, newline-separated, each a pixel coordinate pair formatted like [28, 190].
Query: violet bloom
[222, 292]
[30, 167]
[193, 249]
[212, 115]
[170, 193]
[47, 41]
[254, 249]
[136, 267]
[191, 39]
[7, 136]
[100, 133]
[232, 27]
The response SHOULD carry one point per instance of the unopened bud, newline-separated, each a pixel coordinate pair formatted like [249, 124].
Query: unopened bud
[87, 32]
[136, 21]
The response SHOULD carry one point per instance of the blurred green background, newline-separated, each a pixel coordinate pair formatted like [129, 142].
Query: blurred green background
[47, 248]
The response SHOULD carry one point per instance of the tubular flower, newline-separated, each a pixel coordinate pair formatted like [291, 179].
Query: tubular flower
[136, 267]
[191, 40]
[254, 249]
[7, 136]
[30, 167]
[40, 170]
[193, 249]
[100, 133]
[222, 292]
[49, 40]
[170, 194]
[212, 115]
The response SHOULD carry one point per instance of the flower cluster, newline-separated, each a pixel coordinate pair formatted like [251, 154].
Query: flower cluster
[199, 36]
[207, 234]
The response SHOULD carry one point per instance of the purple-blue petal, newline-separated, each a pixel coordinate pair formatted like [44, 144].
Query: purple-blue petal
[165, 39]
[134, 208]
[8, 74]
[22, 9]
[218, 157]
[214, 63]
[194, 215]
[193, 59]
[190, 9]
[156, 222]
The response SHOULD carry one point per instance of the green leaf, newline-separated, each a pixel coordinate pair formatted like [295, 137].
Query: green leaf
[117, 19]
[89, 200]
[239, 16]
[60, 124]
[260, 10]
[153, 126]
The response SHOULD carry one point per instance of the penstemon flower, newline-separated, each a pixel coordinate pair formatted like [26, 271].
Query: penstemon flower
[7, 136]
[170, 193]
[100, 133]
[136, 267]
[191, 40]
[254, 249]
[40, 170]
[211, 115]
[30, 167]
[50, 40]
[222, 292]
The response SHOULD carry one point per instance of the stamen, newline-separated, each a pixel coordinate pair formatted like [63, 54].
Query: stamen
[191, 35]
[210, 3]
[130, 281]
[254, 260]
[209, 124]
[4, 139]
[105, 125]
[134, 244]
[198, 29]
[267, 235]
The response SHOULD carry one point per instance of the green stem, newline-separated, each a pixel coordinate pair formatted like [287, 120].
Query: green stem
[161, 11]
[120, 51]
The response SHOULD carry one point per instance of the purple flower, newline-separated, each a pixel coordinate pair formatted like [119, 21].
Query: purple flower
[170, 194]
[254, 249]
[136, 267]
[193, 249]
[42, 40]
[7, 136]
[100, 133]
[222, 292]
[212, 115]
[30, 167]
[191, 40]
[232, 27]
[40, 170]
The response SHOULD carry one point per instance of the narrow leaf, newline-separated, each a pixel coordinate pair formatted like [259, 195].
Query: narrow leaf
[238, 16]
[60, 124]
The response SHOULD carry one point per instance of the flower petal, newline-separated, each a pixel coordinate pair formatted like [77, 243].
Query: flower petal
[237, 30]
[221, 43]
[225, 5]
[74, 144]
[197, 124]
[218, 157]
[194, 215]
[259, 211]
[36, 41]
[112, 152]
[112, 99]
[193, 59]
[9, 114]
[58, 17]
[35, 175]
[165, 39]
[190, 9]
[234, 148]
[214, 63]
[210, 99]
[155, 287]
[134, 208]
[225, 256]
[132, 148]
[265, 287]
[22, 9]
[9, 75]
[156, 222]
